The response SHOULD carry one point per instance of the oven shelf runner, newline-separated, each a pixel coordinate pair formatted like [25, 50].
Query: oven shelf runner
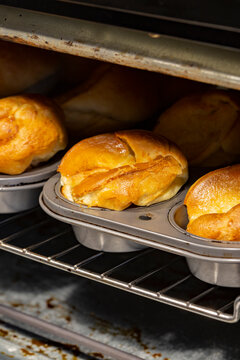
[195, 55]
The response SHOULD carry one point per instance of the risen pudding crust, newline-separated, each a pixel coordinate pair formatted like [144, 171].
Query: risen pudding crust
[213, 205]
[111, 98]
[118, 169]
[205, 126]
[24, 67]
[31, 132]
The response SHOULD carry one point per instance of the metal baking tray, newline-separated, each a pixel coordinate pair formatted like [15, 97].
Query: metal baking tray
[21, 192]
[161, 226]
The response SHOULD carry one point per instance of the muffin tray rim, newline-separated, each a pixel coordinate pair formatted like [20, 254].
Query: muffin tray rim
[33, 176]
[21, 192]
[167, 237]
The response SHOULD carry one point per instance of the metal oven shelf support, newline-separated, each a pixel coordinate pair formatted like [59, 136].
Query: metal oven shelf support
[154, 52]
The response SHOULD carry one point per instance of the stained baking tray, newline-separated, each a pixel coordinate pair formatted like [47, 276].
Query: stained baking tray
[157, 226]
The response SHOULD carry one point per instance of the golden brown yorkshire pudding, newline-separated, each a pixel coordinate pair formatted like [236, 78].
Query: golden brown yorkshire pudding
[213, 205]
[31, 132]
[205, 126]
[111, 98]
[22, 67]
[118, 169]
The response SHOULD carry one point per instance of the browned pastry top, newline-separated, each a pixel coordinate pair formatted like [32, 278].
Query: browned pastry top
[117, 169]
[213, 204]
[205, 126]
[31, 131]
[225, 226]
[22, 67]
[111, 98]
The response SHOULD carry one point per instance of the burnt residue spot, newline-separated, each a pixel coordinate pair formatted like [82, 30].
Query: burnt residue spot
[73, 348]
[68, 318]
[3, 333]
[16, 304]
[46, 42]
[34, 37]
[98, 355]
[26, 352]
[38, 343]
[135, 333]
[40, 351]
[145, 217]
[3, 353]
[69, 42]
[50, 303]
[157, 355]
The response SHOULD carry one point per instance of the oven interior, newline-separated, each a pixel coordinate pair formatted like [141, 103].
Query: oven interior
[118, 299]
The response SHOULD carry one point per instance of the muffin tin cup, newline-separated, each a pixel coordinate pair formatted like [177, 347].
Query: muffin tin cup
[213, 272]
[102, 241]
[21, 192]
[93, 236]
[19, 198]
[161, 226]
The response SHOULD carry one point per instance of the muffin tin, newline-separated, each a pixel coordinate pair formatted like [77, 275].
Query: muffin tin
[161, 226]
[21, 192]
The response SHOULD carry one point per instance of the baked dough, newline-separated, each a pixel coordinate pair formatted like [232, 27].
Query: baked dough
[205, 126]
[118, 169]
[31, 131]
[23, 67]
[213, 205]
[112, 98]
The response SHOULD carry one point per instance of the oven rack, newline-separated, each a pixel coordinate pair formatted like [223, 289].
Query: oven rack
[151, 273]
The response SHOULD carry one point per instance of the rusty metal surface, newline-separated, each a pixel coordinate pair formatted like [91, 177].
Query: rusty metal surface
[196, 61]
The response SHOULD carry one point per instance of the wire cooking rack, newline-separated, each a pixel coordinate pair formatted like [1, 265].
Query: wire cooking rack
[151, 273]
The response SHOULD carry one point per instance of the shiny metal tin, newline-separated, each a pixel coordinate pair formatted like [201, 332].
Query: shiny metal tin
[90, 236]
[161, 226]
[216, 273]
[19, 198]
[21, 192]
[101, 241]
